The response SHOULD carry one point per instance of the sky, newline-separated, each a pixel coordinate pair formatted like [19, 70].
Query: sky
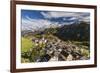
[35, 19]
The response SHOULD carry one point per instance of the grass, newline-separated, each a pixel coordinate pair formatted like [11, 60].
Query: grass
[26, 44]
[85, 52]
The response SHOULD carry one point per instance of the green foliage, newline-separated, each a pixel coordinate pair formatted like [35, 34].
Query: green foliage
[85, 52]
[38, 36]
[24, 60]
[36, 50]
[26, 44]
[82, 43]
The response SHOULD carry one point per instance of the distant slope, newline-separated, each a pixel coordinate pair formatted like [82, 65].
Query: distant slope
[80, 32]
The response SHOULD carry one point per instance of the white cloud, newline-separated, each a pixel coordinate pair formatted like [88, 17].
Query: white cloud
[55, 14]
[36, 24]
[86, 19]
[64, 19]
[73, 18]
[79, 15]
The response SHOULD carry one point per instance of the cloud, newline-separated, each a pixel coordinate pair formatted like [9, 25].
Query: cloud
[74, 15]
[55, 14]
[86, 19]
[73, 18]
[36, 24]
[64, 19]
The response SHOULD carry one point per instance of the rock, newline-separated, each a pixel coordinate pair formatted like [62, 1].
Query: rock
[76, 56]
[54, 58]
[70, 57]
[59, 49]
[45, 58]
[84, 58]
